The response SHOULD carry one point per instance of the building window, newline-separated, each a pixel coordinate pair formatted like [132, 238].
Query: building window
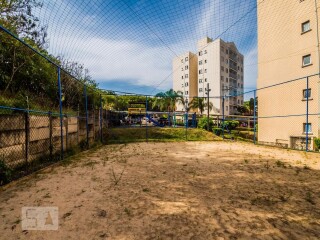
[200, 53]
[221, 78]
[227, 51]
[200, 89]
[205, 51]
[238, 101]
[200, 71]
[222, 59]
[182, 85]
[186, 59]
[305, 27]
[200, 80]
[306, 60]
[187, 92]
[227, 61]
[227, 70]
[186, 84]
[205, 70]
[205, 61]
[205, 80]
[181, 60]
[181, 69]
[200, 62]
[307, 128]
[222, 68]
[307, 93]
[186, 67]
[227, 79]
[181, 77]
[186, 76]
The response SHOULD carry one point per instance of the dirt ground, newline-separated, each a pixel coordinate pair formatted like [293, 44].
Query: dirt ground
[188, 190]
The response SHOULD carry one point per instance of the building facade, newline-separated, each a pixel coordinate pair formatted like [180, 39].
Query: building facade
[221, 65]
[185, 68]
[288, 49]
[218, 63]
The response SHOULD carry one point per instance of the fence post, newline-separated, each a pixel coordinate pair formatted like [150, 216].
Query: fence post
[146, 119]
[67, 130]
[186, 124]
[78, 125]
[100, 116]
[254, 115]
[86, 106]
[60, 112]
[27, 135]
[307, 116]
[50, 135]
[223, 117]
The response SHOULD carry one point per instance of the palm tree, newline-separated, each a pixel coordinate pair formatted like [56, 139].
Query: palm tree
[166, 101]
[200, 103]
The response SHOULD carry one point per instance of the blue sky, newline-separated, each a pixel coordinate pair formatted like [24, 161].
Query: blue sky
[129, 45]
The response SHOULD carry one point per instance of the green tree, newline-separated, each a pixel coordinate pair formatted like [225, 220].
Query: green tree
[166, 101]
[198, 103]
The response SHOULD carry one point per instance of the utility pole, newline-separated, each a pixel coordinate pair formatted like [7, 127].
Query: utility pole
[208, 106]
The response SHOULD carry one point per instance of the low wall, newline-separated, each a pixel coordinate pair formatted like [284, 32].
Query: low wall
[24, 137]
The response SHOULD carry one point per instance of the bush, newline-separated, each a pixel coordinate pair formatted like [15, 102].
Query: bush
[246, 135]
[203, 123]
[5, 173]
[317, 143]
[230, 125]
[217, 131]
[244, 129]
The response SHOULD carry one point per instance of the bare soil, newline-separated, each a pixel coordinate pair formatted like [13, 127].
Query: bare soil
[185, 190]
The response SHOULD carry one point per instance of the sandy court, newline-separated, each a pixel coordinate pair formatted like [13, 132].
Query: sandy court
[186, 190]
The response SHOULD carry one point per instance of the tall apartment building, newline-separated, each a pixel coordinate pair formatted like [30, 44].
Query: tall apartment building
[218, 63]
[185, 68]
[288, 48]
[221, 65]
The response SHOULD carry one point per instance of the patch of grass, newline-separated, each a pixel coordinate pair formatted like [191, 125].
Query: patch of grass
[280, 164]
[309, 198]
[128, 211]
[126, 135]
[5, 173]
[306, 167]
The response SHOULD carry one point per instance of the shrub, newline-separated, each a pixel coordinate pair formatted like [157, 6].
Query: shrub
[217, 131]
[5, 173]
[230, 125]
[246, 134]
[203, 122]
[317, 143]
[244, 129]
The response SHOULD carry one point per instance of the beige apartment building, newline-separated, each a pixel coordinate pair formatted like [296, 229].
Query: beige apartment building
[288, 48]
[221, 65]
[185, 68]
[218, 63]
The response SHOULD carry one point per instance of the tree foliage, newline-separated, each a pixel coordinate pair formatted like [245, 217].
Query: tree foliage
[25, 74]
[166, 101]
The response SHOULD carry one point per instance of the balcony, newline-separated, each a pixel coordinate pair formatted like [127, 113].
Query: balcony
[233, 65]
